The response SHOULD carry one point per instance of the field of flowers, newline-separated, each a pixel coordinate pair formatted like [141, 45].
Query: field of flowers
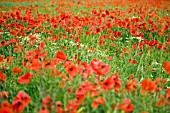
[87, 56]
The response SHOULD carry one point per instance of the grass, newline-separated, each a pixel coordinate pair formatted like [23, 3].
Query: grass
[72, 29]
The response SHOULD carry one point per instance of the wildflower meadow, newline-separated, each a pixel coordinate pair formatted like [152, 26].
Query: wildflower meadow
[84, 56]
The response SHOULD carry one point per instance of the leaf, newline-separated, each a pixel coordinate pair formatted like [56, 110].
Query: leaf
[108, 111]
[80, 110]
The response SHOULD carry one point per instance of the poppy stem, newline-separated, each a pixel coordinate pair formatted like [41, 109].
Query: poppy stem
[106, 102]
[140, 61]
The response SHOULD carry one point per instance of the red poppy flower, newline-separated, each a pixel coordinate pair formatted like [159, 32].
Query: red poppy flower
[150, 21]
[147, 85]
[48, 63]
[159, 46]
[99, 67]
[140, 45]
[122, 54]
[4, 94]
[6, 107]
[61, 55]
[72, 105]
[39, 53]
[94, 91]
[25, 78]
[96, 102]
[153, 42]
[18, 48]
[64, 47]
[168, 41]
[72, 70]
[131, 85]
[1, 30]
[1, 58]
[2, 43]
[117, 84]
[134, 46]
[58, 103]
[17, 70]
[119, 33]
[135, 61]
[2, 76]
[18, 106]
[112, 44]
[45, 110]
[109, 57]
[56, 61]
[6, 104]
[167, 96]
[66, 63]
[166, 66]
[126, 106]
[55, 72]
[102, 39]
[9, 59]
[161, 100]
[23, 97]
[41, 44]
[59, 110]
[35, 64]
[20, 101]
[80, 93]
[85, 72]
[77, 39]
[108, 83]
[32, 38]
[47, 101]
[6, 110]
[130, 60]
